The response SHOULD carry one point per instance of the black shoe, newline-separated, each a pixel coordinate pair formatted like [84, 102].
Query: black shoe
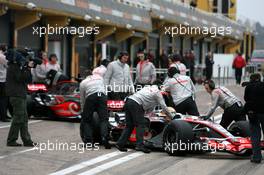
[107, 145]
[255, 160]
[30, 144]
[14, 144]
[121, 148]
[143, 149]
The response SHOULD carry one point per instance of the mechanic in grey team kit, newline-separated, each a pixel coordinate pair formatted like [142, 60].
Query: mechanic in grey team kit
[135, 107]
[182, 91]
[221, 96]
[93, 99]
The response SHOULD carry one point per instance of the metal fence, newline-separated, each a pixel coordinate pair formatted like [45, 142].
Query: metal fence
[223, 77]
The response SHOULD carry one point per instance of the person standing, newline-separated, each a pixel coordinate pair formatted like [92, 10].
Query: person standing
[53, 63]
[18, 76]
[93, 99]
[40, 72]
[209, 62]
[164, 61]
[190, 59]
[145, 71]
[3, 97]
[118, 79]
[254, 95]
[238, 64]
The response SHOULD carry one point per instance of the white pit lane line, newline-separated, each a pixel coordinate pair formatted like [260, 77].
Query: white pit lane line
[87, 163]
[30, 122]
[111, 164]
[17, 153]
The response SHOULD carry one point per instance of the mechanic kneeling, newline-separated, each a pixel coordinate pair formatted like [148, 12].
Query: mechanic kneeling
[135, 107]
[221, 96]
[93, 99]
[254, 95]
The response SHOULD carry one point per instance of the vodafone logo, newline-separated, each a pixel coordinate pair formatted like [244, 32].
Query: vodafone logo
[115, 104]
[74, 108]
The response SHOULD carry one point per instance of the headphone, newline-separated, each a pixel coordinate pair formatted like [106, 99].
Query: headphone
[210, 83]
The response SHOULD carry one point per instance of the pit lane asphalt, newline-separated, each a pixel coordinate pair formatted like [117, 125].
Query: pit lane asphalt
[26, 161]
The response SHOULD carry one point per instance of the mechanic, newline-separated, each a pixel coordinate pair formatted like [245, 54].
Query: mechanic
[3, 97]
[135, 107]
[145, 71]
[176, 62]
[182, 91]
[221, 96]
[254, 95]
[93, 99]
[102, 68]
[118, 79]
[18, 76]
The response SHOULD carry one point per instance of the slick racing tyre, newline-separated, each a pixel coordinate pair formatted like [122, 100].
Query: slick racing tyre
[240, 128]
[95, 127]
[177, 137]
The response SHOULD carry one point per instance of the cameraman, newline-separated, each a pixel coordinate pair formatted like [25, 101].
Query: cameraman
[18, 76]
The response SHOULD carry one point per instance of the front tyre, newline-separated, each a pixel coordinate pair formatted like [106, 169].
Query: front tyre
[177, 137]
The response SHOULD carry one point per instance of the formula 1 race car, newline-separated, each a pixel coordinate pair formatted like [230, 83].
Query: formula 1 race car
[61, 101]
[200, 135]
[192, 132]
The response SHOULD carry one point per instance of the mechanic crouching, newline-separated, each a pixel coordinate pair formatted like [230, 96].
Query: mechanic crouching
[254, 95]
[221, 96]
[135, 107]
[93, 99]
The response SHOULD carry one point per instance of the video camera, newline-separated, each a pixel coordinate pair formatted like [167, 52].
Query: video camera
[22, 57]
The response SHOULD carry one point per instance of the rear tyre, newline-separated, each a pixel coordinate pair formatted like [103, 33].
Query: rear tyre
[177, 137]
[240, 128]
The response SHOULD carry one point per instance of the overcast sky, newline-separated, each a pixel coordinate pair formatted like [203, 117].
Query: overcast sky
[252, 9]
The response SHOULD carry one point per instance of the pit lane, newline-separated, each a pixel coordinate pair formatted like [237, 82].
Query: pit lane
[24, 160]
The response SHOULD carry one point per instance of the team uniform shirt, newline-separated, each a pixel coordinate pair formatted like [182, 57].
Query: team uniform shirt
[181, 87]
[222, 97]
[55, 67]
[39, 74]
[145, 73]
[101, 70]
[180, 66]
[90, 85]
[118, 77]
[150, 97]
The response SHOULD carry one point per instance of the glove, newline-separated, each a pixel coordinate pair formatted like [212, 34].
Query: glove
[205, 117]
